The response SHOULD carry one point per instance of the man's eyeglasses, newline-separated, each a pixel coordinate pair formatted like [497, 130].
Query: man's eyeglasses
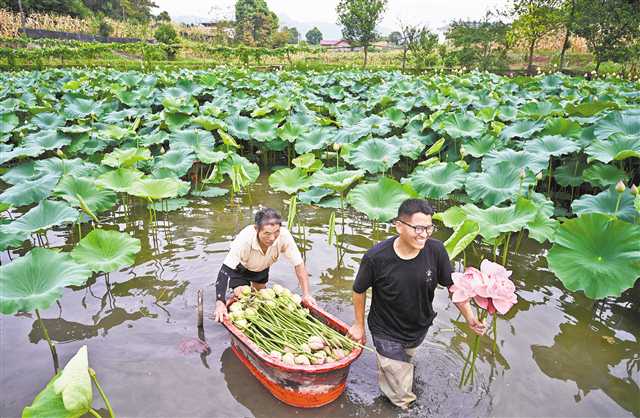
[420, 229]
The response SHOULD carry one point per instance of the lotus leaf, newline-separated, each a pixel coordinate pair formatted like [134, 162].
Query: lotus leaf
[463, 235]
[29, 191]
[616, 148]
[289, 180]
[437, 181]
[106, 251]
[119, 180]
[380, 200]
[81, 190]
[606, 202]
[375, 156]
[126, 158]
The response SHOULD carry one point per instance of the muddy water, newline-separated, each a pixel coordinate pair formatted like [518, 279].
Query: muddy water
[560, 354]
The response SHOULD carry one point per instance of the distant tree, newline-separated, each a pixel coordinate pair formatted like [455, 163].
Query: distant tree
[74, 8]
[421, 43]
[280, 38]
[568, 17]
[610, 27]
[255, 23]
[358, 19]
[294, 36]
[163, 17]
[166, 34]
[314, 36]
[533, 20]
[395, 38]
[479, 43]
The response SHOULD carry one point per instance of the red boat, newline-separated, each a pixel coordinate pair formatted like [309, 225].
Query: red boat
[304, 386]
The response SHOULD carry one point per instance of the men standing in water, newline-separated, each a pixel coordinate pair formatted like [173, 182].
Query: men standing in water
[403, 272]
[252, 252]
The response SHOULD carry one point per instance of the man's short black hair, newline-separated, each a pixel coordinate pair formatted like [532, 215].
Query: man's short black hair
[411, 206]
[267, 216]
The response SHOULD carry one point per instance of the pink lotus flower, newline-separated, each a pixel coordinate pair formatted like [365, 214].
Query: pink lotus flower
[464, 284]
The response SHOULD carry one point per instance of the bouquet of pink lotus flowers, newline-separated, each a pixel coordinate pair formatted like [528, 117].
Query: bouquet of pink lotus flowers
[492, 291]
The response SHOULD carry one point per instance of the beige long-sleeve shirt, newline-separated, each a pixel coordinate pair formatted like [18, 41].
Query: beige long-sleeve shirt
[245, 249]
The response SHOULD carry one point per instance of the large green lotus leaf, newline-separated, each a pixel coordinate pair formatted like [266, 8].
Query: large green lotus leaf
[19, 173]
[551, 145]
[315, 139]
[605, 203]
[462, 125]
[463, 235]
[264, 130]
[603, 175]
[617, 123]
[543, 227]
[175, 120]
[47, 214]
[155, 189]
[290, 180]
[169, 205]
[78, 108]
[106, 251]
[209, 123]
[119, 180]
[58, 167]
[563, 127]
[597, 255]
[291, 131]
[18, 152]
[29, 191]
[154, 138]
[498, 184]
[126, 157]
[521, 129]
[395, 116]
[199, 141]
[307, 162]
[590, 108]
[452, 217]
[68, 394]
[507, 113]
[380, 200]
[337, 181]
[616, 148]
[9, 238]
[538, 110]
[497, 220]
[77, 189]
[479, 147]
[36, 280]
[47, 140]
[374, 156]
[515, 159]
[437, 181]
[314, 195]
[8, 122]
[252, 170]
[179, 161]
[569, 174]
[238, 126]
[210, 192]
[408, 146]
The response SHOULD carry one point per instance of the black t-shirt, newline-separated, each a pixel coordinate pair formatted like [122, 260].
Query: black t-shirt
[403, 290]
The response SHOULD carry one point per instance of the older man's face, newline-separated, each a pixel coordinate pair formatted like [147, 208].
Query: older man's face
[268, 234]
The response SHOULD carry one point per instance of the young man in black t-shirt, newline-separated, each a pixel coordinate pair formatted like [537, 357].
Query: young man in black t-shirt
[403, 272]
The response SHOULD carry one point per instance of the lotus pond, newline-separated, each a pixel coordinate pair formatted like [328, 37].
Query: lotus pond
[121, 193]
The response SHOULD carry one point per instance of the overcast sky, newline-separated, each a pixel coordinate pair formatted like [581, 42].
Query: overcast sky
[433, 13]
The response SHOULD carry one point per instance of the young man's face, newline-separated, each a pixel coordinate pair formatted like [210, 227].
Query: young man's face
[407, 232]
[268, 234]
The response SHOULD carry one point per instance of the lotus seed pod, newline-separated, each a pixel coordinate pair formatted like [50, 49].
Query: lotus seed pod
[620, 186]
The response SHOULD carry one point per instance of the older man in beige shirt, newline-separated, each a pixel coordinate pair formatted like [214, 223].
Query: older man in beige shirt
[252, 252]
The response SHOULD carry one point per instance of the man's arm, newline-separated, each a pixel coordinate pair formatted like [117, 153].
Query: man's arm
[221, 291]
[356, 332]
[474, 323]
[303, 279]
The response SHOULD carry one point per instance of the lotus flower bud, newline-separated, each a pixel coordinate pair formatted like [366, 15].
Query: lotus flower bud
[241, 323]
[250, 313]
[316, 343]
[279, 290]
[244, 290]
[339, 353]
[296, 298]
[267, 294]
[289, 358]
[60, 154]
[523, 173]
[317, 360]
[305, 348]
[539, 176]
[302, 360]
[620, 186]
[463, 151]
[634, 190]
[276, 354]
[336, 147]
[287, 349]
[236, 307]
